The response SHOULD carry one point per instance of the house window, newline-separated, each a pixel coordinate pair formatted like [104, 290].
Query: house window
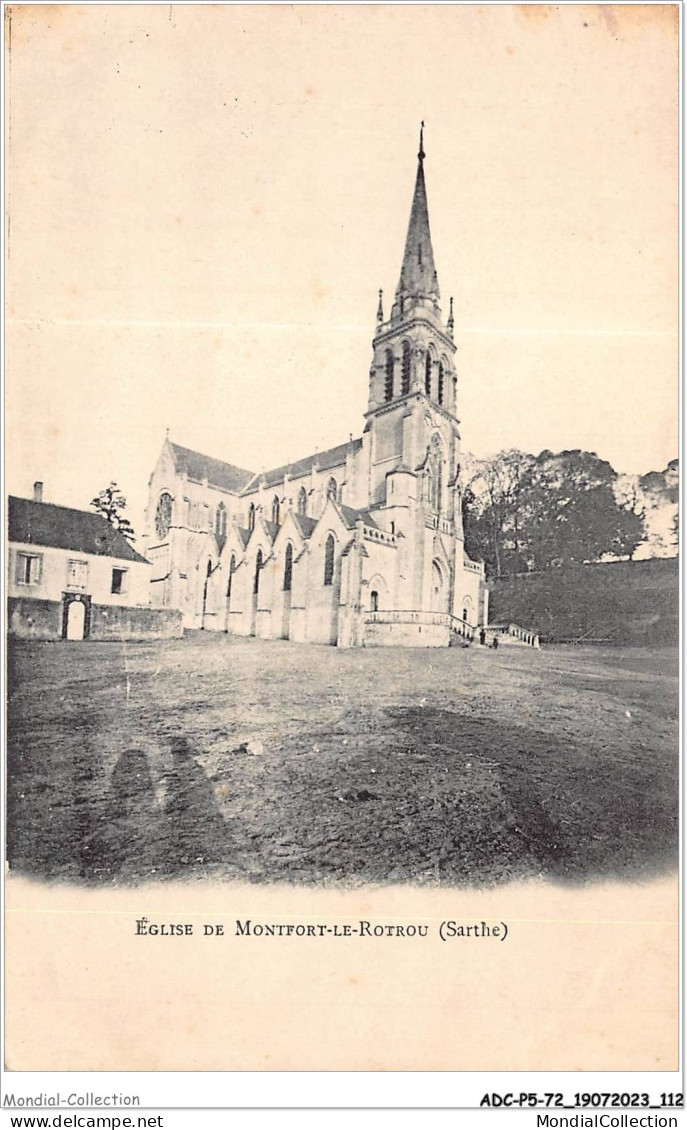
[405, 369]
[329, 560]
[275, 510]
[303, 502]
[389, 376]
[118, 586]
[29, 568]
[77, 574]
[332, 489]
[288, 568]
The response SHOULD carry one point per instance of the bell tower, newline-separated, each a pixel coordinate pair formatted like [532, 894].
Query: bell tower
[412, 393]
[413, 350]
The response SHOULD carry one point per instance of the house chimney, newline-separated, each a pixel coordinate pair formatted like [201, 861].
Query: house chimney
[38, 492]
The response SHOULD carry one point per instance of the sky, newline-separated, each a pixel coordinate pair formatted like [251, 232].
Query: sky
[203, 202]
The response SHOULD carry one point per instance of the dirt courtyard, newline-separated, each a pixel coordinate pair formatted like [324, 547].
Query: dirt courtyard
[258, 761]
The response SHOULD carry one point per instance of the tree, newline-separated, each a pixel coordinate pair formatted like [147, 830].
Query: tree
[573, 513]
[523, 512]
[493, 510]
[111, 503]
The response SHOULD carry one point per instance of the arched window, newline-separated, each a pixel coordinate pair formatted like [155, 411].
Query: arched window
[230, 577]
[329, 560]
[258, 567]
[251, 517]
[389, 376]
[303, 501]
[221, 526]
[440, 390]
[332, 488]
[163, 515]
[428, 375]
[374, 601]
[405, 369]
[275, 510]
[288, 567]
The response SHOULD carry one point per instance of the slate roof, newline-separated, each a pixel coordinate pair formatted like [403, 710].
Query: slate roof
[305, 524]
[326, 460]
[42, 523]
[351, 516]
[217, 473]
[418, 273]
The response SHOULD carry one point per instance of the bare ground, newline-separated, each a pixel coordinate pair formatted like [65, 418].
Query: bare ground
[267, 761]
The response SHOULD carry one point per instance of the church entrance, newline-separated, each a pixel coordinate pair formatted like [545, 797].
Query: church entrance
[76, 617]
[439, 589]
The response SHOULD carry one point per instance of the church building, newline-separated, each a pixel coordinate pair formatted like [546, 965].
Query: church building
[361, 545]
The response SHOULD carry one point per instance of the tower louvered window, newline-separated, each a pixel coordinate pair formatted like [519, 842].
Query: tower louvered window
[405, 369]
[428, 375]
[440, 390]
[389, 376]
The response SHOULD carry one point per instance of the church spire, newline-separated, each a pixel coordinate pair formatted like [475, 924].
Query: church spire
[418, 275]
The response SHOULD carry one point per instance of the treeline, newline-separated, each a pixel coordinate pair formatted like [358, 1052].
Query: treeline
[525, 513]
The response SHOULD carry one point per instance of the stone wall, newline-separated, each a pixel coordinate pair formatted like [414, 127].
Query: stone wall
[143, 623]
[34, 619]
[406, 635]
[42, 620]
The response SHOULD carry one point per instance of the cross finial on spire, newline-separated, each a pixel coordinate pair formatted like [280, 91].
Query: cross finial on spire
[421, 150]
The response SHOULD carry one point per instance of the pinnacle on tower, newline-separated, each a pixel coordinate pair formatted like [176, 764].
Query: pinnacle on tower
[418, 274]
[380, 308]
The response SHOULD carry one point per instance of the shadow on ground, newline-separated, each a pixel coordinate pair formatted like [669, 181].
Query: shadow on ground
[410, 794]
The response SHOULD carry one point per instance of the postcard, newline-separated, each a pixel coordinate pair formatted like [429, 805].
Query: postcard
[342, 542]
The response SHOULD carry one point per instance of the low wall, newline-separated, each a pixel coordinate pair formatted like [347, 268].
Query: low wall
[405, 635]
[34, 619]
[42, 620]
[117, 622]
